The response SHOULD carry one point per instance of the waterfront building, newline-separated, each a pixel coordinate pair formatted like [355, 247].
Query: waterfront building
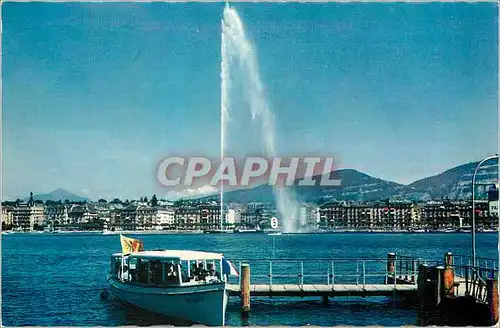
[56, 215]
[210, 215]
[331, 215]
[82, 217]
[188, 217]
[145, 216]
[165, 217]
[233, 216]
[21, 217]
[126, 218]
[252, 215]
[308, 216]
[7, 218]
[369, 216]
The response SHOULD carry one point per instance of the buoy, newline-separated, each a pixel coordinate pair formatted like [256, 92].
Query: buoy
[104, 294]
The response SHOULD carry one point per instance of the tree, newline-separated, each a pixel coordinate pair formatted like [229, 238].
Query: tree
[38, 201]
[145, 199]
[116, 201]
[102, 201]
[154, 201]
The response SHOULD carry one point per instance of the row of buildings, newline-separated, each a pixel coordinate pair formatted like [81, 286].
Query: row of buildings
[404, 216]
[141, 215]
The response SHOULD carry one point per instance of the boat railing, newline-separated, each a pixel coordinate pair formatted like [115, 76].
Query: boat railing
[328, 271]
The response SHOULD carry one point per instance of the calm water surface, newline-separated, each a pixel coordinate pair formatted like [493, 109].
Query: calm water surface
[55, 280]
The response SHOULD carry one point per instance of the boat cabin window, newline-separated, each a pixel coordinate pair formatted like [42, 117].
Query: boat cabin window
[116, 263]
[155, 272]
[150, 271]
[171, 273]
[142, 271]
[201, 271]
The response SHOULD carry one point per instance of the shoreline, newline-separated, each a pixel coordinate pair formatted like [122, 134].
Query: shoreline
[201, 232]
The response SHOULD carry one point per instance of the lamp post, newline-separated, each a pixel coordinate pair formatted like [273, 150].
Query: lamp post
[473, 228]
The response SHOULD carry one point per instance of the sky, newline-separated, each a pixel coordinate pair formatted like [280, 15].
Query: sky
[96, 95]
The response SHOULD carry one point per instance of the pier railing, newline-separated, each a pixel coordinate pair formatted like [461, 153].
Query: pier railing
[332, 271]
[481, 262]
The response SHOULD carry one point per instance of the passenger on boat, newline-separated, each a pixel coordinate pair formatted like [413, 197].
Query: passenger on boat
[197, 271]
[171, 274]
[155, 272]
[212, 274]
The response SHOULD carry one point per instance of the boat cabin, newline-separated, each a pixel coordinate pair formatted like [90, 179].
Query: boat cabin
[167, 268]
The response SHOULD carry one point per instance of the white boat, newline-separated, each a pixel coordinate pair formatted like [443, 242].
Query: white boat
[185, 285]
[274, 233]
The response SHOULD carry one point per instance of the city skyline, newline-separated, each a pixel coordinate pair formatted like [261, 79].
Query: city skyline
[96, 95]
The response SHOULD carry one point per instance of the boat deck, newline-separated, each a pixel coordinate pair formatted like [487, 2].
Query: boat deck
[325, 290]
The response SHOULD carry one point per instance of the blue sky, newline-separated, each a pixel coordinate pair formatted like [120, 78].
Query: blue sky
[95, 95]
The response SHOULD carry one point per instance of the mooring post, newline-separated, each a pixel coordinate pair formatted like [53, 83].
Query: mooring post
[391, 258]
[492, 296]
[423, 273]
[448, 275]
[439, 284]
[245, 289]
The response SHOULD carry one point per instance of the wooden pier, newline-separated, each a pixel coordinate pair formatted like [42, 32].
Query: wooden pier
[288, 290]
[443, 287]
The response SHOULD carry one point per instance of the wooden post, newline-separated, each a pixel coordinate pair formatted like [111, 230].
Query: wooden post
[448, 275]
[439, 284]
[492, 296]
[245, 288]
[391, 258]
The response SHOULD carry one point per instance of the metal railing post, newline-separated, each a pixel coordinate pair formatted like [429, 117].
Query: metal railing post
[333, 274]
[270, 273]
[357, 272]
[395, 269]
[327, 274]
[239, 276]
[364, 274]
[301, 280]
[415, 272]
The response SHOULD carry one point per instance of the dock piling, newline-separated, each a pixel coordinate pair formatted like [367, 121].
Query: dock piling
[245, 289]
[448, 275]
[423, 273]
[492, 296]
[391, 258]
[439, 284]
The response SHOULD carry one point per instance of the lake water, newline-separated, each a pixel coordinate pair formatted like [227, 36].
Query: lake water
[55, 280]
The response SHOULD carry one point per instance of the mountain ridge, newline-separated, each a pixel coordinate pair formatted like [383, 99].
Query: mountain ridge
[453, 184]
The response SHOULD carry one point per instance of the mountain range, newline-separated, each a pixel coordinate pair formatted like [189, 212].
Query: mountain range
[59, 194]
[453, 184]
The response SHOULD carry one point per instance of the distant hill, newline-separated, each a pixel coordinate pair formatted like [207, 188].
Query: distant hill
[456, 183]
[58, 194]
[453, 184]
[355, 185]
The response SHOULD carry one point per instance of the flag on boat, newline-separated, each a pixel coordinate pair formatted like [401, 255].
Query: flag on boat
[229, 268]
[130, 245]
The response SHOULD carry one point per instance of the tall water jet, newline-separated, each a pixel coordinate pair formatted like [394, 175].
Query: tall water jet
[236, 48]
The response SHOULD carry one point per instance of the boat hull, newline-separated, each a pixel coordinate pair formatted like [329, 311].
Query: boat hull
[205, 304]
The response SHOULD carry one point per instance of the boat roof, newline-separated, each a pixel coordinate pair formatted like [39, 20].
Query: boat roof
[175, 255]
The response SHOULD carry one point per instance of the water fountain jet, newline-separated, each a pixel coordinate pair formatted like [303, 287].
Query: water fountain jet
[236, 47]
